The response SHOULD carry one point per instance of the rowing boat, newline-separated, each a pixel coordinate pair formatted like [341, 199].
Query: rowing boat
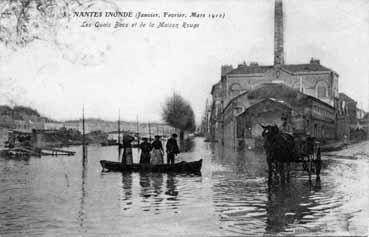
[180, 167]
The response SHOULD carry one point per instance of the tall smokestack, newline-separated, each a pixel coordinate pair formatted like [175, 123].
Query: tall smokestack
[278, 33]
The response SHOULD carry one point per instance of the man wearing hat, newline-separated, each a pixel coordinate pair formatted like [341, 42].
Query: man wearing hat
[172, 149]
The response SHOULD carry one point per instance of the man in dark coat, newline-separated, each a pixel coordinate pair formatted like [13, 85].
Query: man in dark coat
[172, 149]
[145, 147]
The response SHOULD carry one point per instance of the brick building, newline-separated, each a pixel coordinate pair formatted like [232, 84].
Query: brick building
[307, 93]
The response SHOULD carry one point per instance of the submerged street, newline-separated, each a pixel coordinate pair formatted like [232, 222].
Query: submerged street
[61, 195]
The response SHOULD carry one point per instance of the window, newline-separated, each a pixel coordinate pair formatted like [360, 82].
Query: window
[322, 90]
[235, 89]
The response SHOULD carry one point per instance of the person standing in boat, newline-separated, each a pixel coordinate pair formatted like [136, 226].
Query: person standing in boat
[145, 147]
[172, 149]
[127, 158]
[157, 152]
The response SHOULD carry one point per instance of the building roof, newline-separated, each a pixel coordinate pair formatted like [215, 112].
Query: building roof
[308, 67]
[292, 68]
[272, 89]
[244, 69]
[345, 97]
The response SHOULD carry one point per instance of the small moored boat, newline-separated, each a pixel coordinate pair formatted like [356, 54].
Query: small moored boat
[180, 167]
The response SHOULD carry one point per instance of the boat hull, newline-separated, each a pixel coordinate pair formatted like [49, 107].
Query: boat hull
[181, 167]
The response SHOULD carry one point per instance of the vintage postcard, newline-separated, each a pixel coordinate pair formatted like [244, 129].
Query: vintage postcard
[184, 118]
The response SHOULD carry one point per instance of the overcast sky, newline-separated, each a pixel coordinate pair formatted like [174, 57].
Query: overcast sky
[134, 70]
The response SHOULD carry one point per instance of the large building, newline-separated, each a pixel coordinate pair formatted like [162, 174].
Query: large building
[315, 93]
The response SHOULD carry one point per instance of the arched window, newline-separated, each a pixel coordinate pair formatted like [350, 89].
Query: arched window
[322, 90]
[235, 89]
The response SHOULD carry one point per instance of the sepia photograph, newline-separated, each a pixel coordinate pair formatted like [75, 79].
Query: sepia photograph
[184, 118]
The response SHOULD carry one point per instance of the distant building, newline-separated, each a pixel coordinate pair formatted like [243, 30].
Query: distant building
[111, 126]
[19, 119]
[53, 125]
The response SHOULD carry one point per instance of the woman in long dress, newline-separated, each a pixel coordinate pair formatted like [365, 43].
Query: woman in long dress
[127, 158]
[157, 152]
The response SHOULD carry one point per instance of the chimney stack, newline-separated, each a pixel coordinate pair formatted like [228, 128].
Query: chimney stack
[278, 33]
[314, 61]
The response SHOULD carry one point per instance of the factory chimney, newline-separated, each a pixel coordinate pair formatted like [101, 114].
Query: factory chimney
[278, 33]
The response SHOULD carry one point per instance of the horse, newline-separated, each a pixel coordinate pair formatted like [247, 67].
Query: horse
[279, 148]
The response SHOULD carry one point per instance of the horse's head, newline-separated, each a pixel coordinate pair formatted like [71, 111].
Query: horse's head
[269, 130]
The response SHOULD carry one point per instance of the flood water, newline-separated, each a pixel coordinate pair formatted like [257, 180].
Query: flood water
[50, 196]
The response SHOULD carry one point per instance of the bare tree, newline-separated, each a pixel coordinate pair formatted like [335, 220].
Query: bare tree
[178, 113]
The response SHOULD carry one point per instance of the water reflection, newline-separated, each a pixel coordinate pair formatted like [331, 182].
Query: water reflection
[127, 191]
[240, 203]
[82, 213]
[158, 191]
[289, 203]
[171, 192]
[250, 203]
[157, 183]
[257, 206]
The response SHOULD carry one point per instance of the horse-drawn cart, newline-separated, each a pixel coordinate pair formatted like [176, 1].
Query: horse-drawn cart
[308, 153]
[283, 149]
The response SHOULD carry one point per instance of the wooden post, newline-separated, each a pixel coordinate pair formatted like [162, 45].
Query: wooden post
[119, 150]
[138, 131]
[149, 132]
[84, 148]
